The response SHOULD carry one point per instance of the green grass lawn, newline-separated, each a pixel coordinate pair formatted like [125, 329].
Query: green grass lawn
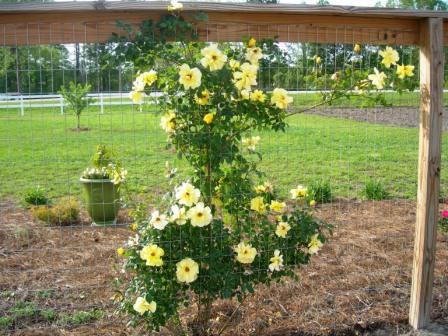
[40, 149]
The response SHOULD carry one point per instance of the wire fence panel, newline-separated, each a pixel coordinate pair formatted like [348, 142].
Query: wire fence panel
[58, 271]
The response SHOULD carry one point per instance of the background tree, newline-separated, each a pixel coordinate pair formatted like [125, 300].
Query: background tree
[76, 97]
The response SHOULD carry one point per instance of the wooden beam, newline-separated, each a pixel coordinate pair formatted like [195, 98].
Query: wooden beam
[209, 7]
[431, 86]
[92, 27]
[90, 22]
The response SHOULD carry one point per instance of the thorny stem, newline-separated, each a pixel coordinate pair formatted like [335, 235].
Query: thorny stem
[231, 316]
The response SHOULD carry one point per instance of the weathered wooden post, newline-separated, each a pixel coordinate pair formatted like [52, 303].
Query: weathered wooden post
[431, 108]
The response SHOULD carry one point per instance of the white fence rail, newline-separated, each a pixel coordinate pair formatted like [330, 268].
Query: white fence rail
[34, 101]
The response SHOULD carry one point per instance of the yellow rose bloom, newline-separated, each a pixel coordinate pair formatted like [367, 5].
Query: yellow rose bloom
[245, 94]
[253, 55]
[158, 221]
[187, 270]
[251, 143]
[282, 229]
[141, 306]
[315, 244]
[252, 42]
[152, 254]
[137, 96]
[204, 98]
[245, 253]
[299, 193]
[257, 204]
[138, 84]
[189, 78]
[120, 251]
[276, 262]
[246, 77]
[149, 77]
[390, 57]
[200, 215]
[167, 122]
[234, 64]
[405, 71]
[258, 95]
[277, 206]
[312, 203]
[317, 59]
[179, 215]
[280, 98]
[378, 79]
[268, 187]
[357, 48]
[208, 118]
[213, 58]
[259, 189]
[187, 194]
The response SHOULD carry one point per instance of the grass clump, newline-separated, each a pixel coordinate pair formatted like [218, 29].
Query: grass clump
[65, 212]
[374, 190]
[320, 191]
[36, 196]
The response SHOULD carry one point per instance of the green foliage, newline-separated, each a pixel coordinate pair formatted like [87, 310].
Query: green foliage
[374, 190]
[49, 315]
[6, 322]
[106, 166]
[80, 317]
[65, 212]
[23, 310]
[36, 196]
[320, 191]
[104, 156]
[76, 97]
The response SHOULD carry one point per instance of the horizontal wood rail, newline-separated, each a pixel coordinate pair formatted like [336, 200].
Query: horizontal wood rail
[88, 22]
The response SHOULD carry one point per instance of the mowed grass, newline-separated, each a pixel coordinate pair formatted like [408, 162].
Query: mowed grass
[41, 149]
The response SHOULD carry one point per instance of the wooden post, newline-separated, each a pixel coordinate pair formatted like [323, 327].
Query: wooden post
[431, 88]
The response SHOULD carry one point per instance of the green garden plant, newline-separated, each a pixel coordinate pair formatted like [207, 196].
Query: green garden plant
[374, 190]
[218, 235]
[320, 191]
[76, 97]
[36, 196]
[65, 212]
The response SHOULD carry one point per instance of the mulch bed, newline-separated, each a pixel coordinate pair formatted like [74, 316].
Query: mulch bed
[393, 116]
[359, 283]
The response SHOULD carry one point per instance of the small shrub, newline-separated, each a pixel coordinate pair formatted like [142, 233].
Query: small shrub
[320, 191]
[65, 212]
[375, 190]
[36, 196]
[443, 221]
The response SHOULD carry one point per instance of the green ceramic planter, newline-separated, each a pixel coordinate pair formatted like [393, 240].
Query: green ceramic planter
[102, 200]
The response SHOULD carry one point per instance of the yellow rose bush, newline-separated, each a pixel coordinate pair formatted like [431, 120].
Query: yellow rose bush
[218, 234]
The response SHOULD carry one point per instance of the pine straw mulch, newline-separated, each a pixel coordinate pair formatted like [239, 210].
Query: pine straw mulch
[359, 282]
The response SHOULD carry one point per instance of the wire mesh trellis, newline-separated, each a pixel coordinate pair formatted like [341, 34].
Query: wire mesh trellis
[57, 277]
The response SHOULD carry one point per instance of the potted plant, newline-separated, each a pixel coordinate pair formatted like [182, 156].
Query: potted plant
[102, 186]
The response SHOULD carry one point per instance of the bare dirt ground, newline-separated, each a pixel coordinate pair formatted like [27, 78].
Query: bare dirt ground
[393, 116]
[358, 284]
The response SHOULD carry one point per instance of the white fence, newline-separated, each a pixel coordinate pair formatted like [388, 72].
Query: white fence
[33, 101]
